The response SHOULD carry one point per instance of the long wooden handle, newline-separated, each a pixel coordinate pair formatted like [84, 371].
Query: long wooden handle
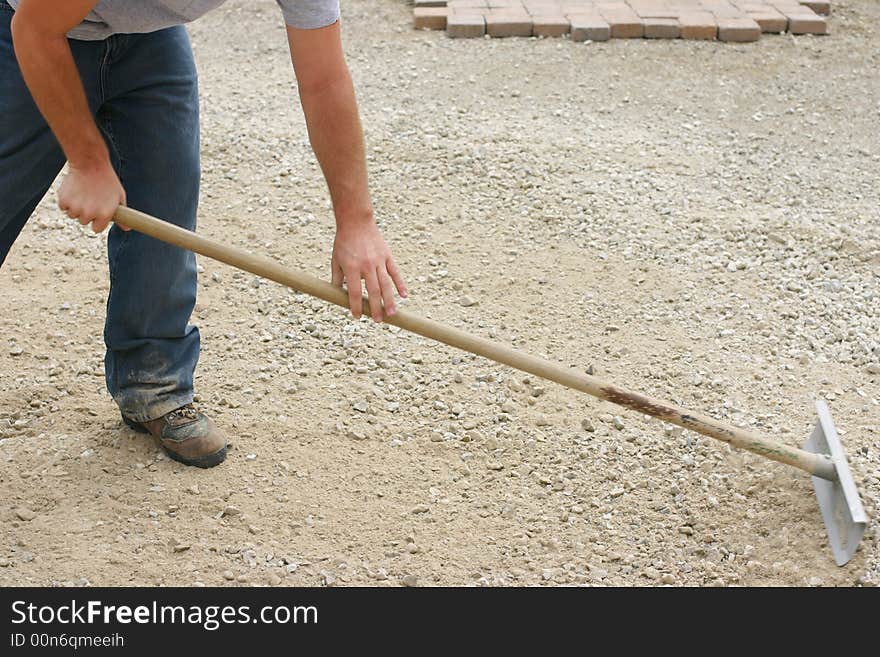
[817, 464]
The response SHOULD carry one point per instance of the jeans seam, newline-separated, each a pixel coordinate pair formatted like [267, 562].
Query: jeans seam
[105, 65]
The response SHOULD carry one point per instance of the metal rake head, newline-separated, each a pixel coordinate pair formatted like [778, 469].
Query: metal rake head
[842, 510]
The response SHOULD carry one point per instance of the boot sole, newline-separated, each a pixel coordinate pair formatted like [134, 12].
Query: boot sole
[208, 461]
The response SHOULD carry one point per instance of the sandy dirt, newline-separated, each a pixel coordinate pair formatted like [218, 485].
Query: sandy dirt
[697, 221]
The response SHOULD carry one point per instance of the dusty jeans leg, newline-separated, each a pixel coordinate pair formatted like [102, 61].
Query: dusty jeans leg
[30, 157]
[150, 115]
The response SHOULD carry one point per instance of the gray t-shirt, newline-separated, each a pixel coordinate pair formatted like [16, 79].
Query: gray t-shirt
[136, 16]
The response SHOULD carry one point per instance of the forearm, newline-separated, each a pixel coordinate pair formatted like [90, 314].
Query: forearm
[337, 138]
[327, 95]
[51, 76]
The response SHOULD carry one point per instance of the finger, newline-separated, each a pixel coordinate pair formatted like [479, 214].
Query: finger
[335, 273]
[89, 216]
[374, 295]
[387, 291]
[100, 224]
[396, 277]
[354, 294]
[103, 219]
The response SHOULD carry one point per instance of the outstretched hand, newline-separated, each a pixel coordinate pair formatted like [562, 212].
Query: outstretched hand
[360, 253]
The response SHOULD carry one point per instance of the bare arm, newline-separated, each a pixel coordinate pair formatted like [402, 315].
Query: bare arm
[92, 191]
[327, 95]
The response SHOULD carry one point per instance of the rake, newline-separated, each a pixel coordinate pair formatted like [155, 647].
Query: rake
[822, 456]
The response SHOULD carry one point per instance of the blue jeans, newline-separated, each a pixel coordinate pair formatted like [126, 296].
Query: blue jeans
[142, 90]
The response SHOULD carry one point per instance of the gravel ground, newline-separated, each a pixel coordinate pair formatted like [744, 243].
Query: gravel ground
[697, 221]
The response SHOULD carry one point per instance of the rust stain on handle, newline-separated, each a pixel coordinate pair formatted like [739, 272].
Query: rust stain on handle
[640, 403]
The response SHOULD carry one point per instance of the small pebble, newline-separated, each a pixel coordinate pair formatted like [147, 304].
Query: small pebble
[23, 513]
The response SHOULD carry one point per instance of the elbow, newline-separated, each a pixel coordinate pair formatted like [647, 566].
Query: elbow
[17, 27]
[22, 26]
[25, 30]
[22, 33]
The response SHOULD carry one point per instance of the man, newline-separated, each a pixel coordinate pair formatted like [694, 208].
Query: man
[110, 86]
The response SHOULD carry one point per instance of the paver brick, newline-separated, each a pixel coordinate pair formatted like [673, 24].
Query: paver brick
[470, 11]
[784, 5]
[624, 24]
[738, 29]
[575, 5]
[770, 20]
[551, 25]
[508, 12]
[661, 28]
[749, 7]
[466, 4]
[508, 25]
[465, 26]
[429, 18]
[589, 27]
[807, 23]
[541, 7]
[698, 25]
[652, 9]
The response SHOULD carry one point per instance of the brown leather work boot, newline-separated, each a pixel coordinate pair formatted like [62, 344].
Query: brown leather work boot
[186, 435]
